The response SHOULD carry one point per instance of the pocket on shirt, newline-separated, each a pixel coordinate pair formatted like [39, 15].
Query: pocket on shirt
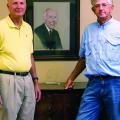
[112, 50]
[88, 56]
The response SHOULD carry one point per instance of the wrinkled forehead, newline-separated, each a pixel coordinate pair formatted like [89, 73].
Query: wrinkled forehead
[51, 13]
[94, 2]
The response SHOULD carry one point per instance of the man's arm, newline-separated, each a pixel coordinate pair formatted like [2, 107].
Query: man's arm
[35, 80]
[80, 66]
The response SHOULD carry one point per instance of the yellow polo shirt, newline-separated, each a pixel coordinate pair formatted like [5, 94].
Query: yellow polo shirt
[16, 46]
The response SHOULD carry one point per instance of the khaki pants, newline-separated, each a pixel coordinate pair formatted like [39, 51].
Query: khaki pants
[18, 97]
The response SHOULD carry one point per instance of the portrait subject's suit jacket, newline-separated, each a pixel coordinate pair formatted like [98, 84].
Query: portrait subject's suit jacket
[45, 40]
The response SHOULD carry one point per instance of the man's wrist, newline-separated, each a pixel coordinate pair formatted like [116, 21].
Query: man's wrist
[71, 80]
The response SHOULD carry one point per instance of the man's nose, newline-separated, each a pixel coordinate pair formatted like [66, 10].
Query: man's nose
[101, 7]
[18, 5]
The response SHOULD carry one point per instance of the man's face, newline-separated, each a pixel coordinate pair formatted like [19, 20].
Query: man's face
[17, 8]
[51, 19]
[102, 8]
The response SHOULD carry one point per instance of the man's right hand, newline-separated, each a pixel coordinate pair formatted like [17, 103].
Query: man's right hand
[69, 84]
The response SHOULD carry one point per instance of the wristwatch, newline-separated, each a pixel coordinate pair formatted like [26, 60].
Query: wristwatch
[35, 78]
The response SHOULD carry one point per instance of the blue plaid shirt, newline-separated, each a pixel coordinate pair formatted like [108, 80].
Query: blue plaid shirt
[100, 46]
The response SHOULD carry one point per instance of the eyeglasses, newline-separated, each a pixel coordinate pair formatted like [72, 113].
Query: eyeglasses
[103, 5]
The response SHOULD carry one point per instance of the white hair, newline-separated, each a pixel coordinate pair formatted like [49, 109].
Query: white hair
[8, 1]
[94, 1]
[47, 10]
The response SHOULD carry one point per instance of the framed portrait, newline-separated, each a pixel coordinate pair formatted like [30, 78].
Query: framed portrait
[55, 25]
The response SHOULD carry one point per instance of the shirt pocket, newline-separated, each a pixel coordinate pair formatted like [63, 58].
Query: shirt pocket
[112, 50]
[88, 56]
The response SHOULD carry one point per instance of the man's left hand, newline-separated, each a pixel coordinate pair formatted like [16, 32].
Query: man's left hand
[37, 91]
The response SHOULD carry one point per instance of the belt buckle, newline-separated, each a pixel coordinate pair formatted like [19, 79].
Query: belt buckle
[22, 73]
[19, 73]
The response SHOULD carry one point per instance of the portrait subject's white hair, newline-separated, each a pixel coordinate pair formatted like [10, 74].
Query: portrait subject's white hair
[47, 10]
[94, 1]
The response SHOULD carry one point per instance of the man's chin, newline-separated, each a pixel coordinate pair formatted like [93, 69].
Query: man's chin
[51, 27]
[103, 17]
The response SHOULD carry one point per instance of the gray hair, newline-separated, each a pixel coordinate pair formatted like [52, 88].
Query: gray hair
[47, 10]
[94, 1]
[8, 1]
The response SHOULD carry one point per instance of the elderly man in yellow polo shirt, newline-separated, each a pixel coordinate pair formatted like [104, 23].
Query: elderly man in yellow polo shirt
[18, 80]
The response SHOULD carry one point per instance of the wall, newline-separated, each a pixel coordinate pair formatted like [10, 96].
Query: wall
[58, 71]
[3, 8]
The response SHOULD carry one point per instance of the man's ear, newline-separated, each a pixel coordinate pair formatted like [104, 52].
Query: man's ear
[112, 7]
[7, 5]
[93, 9]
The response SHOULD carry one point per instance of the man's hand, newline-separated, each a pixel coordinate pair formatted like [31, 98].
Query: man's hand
[37, 90]
[69, 84]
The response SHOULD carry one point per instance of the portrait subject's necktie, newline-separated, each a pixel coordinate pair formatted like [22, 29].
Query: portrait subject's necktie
[51, 41]
[50, 33]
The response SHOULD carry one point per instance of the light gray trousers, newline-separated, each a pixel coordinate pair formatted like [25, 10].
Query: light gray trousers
[18, 97]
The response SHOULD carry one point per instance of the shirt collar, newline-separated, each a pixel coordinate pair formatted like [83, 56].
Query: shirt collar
[106, 23]
[11, 24]
[47, 28]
